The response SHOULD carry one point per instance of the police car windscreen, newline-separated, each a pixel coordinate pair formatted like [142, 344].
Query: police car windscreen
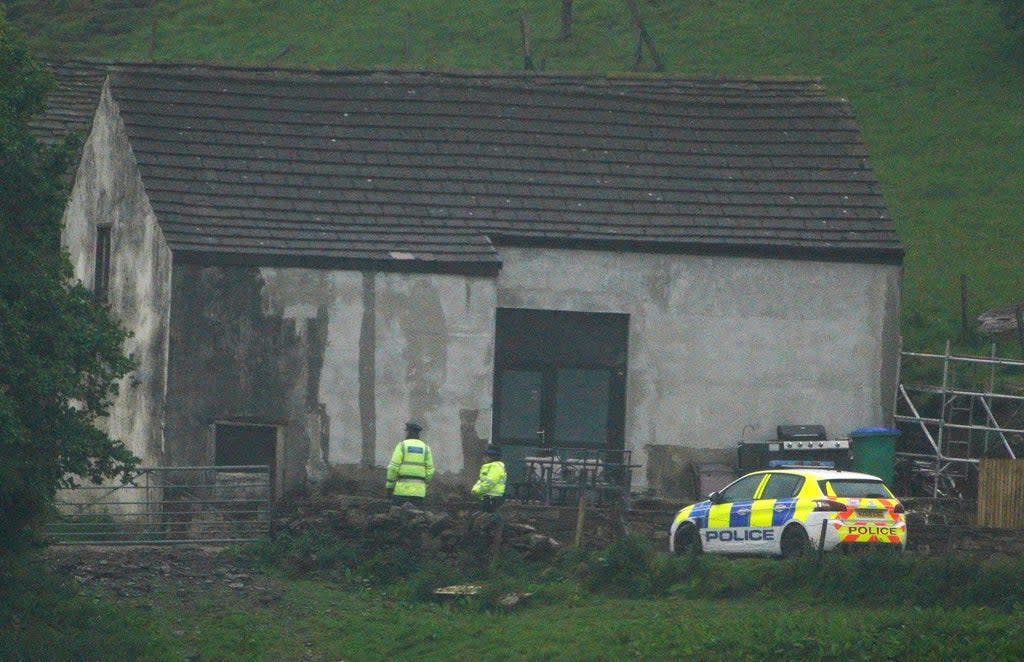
[856, 489]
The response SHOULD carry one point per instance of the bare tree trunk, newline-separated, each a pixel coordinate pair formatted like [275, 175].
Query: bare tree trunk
[280, 54]
[407, 42]
[524, 29]
[499, 535]
[964, 329]
[566, 20]
[644, 37]
[1019, 314]
[152, 41]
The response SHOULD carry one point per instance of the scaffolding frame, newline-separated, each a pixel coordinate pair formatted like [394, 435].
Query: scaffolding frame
[965, 428]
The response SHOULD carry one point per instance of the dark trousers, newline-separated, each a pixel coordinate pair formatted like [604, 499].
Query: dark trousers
[489, 504]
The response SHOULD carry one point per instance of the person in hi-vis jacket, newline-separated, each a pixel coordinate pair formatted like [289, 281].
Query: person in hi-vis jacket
[490, 488]
[411, 467]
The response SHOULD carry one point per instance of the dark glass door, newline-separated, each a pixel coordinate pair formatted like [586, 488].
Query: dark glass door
[522, 403]
[560, 378]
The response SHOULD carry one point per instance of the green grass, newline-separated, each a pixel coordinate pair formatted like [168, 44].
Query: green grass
[936, 86]
[329, 624]
[623, 602]
[631, 567]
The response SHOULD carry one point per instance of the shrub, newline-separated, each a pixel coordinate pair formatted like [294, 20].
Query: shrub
[310, 552]
[422, 583]
[43, 617]
[874, 579]
[624, 568]
[388, 565]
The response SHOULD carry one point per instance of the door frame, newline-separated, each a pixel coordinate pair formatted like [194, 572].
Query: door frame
[617, 367]
[277, 479]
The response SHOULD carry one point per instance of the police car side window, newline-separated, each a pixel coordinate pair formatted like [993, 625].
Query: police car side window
[782, 486]
[742, 490]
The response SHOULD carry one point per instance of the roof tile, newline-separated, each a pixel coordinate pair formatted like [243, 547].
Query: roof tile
[337, 167]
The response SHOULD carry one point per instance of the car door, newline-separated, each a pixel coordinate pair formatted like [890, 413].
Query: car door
[774, 506]
[729, 516]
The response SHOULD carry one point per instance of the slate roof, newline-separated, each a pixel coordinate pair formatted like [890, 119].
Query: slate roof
[427, 170]
[72, 103]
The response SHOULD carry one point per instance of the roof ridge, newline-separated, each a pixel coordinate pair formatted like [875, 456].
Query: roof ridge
[696, 88]
[672, 100]
[457, 73]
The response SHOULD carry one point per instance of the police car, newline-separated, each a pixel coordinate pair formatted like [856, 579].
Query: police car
[784, 512]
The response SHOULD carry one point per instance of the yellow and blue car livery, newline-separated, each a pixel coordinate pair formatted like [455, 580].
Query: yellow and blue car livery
[788, 512]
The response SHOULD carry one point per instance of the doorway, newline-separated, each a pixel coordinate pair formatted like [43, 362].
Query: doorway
[560, 378]
[247, 444]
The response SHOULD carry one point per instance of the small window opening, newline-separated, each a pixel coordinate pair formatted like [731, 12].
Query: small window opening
[101, 282]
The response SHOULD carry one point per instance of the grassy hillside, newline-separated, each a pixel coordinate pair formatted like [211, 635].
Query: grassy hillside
[936, 84]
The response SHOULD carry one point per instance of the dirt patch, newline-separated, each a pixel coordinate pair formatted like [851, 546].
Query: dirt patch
[136, 571]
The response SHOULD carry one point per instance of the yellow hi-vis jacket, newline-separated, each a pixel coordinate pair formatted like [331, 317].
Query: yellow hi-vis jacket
[492, 480]
[410, 469]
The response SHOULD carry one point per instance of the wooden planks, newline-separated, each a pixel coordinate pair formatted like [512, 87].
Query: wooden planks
[1001, 493]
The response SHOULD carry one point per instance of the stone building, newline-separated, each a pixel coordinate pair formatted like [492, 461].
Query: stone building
[307, 259]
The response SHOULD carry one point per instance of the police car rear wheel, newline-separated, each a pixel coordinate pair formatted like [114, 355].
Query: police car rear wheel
[795, 543]
[687, 541]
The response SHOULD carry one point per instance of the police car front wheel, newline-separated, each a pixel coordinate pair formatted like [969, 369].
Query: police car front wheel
[687, 540]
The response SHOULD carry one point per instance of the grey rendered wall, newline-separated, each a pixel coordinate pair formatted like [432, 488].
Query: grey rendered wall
[339, 360]
[435, 363]
[108, 189]
[725, 348]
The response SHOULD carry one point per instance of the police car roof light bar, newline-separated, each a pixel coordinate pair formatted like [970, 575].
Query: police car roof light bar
[801, 464]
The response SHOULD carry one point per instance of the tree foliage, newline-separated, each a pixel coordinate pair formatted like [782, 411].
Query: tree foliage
[60, 352]
[1012, 14]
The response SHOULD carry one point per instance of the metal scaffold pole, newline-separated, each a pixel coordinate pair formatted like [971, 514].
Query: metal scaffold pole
[966, 405]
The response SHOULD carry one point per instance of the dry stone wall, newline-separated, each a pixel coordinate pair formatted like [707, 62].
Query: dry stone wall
[455, 524]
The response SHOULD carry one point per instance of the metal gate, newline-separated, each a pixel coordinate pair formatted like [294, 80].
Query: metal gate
[167, 505]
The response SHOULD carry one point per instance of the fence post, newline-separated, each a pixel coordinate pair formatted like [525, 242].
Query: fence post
[581, 509]
[821, 540]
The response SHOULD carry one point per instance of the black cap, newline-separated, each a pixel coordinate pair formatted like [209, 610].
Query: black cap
[494, 451]
[413, 426]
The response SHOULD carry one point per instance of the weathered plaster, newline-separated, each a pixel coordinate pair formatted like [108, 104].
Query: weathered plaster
[888, 357]
[290, 347]
[716, 345]
[108, 190]
[720, 343]
[430, 357]
[368, 370]
[235, 356]
[435, 360]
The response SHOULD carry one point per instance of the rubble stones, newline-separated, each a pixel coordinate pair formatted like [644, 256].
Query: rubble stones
[458, 530]
[133, 571]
